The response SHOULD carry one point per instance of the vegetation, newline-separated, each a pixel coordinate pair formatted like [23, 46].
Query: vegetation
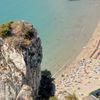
[5, 29]
[53, 98]
[46, 89]
[71, 97]
[27, 33]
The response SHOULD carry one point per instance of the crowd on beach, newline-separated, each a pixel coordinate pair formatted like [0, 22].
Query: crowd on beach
[83, 76]
[82, 79]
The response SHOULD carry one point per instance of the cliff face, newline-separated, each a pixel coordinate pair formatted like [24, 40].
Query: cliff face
[20, 59]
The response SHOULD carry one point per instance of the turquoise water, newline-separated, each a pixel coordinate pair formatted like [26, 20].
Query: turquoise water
[64, 26]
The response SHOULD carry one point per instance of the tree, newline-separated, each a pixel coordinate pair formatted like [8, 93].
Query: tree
[46, 89]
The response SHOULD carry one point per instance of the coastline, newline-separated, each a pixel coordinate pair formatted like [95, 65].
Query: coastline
[90, 51]
[82, 54]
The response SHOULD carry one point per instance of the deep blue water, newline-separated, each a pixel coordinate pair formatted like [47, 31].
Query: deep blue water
[64, 26]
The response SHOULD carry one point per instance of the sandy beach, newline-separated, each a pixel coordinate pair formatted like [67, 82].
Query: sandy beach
[83, 75]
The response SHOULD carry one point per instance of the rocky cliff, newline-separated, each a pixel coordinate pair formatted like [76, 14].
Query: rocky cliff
[20, 59]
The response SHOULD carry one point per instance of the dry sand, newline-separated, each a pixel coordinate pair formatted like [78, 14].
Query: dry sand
[83, 75]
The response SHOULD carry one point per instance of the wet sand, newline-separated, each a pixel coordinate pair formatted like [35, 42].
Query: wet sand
[83, 75]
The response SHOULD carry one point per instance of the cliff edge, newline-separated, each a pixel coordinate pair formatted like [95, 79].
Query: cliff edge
[20, 59]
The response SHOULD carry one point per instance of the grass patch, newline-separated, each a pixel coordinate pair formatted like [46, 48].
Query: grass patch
[71, 97]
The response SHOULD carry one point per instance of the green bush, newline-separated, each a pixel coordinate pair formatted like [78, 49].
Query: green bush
[5, 29]
[27, 33]
[53, 98]
[46, 89]
[71, 97]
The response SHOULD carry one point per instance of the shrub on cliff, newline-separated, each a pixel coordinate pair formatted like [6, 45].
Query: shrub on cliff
[5, 29]
[28, 33]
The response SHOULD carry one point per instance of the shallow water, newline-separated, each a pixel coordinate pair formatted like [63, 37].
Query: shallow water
[64, 26]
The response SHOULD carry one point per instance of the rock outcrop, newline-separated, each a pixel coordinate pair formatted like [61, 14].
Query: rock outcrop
[20, 59]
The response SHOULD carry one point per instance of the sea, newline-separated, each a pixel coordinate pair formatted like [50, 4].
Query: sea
[64, 26]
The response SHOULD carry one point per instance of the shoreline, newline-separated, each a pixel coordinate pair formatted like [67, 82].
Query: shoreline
[86, 49]
[90, 51]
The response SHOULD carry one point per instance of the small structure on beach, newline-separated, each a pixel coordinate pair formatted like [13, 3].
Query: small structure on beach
[95, 95]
